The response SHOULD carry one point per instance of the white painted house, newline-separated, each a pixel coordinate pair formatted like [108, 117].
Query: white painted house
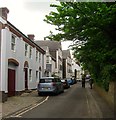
[21, 60]
[67, 64]
[55, 49]
[49, 62]
[76, 69]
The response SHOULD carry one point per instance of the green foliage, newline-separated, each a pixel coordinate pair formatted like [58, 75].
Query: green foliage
[92, 28]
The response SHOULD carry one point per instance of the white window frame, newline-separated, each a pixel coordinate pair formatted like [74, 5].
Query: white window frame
[30, 75]
[37, 55]
[40, 57]
[13, 43]
[47, 59]
[30, 52]
[26, 50]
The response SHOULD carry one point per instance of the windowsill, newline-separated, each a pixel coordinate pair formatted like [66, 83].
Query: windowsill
[13, 51]
[26, 56]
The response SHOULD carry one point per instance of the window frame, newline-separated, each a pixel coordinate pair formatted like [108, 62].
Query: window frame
[37, 52]
[13, 43]
[40, 57]
[26, 50]
[37, 75]
[30, 52]
[47, 59]
[30, 75]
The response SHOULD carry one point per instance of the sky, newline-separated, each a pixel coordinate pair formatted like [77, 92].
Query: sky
[28, 16]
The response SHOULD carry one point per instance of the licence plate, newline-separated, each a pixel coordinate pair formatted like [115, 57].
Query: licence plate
[46, 88]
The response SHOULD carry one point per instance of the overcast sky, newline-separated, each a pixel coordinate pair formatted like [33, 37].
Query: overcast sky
[28, 15]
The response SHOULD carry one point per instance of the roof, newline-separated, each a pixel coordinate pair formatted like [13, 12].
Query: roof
[66, 53]
[44, 47]
[53, 46]
[52, 54]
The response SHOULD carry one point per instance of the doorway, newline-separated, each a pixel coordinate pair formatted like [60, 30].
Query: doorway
[11, 82]
[26, 78]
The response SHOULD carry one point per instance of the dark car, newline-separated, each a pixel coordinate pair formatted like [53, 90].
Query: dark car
[50, 85]
[65, 84]
[70, 81]
[74, 80]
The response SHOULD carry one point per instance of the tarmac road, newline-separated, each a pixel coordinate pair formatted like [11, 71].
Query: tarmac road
[75, 102]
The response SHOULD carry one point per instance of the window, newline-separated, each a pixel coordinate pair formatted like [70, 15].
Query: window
[30, 52]
[13, 43]
[30, 74]
[37, 76]
[47, 59]
[36, 55]
[39, 57]
[26, 50]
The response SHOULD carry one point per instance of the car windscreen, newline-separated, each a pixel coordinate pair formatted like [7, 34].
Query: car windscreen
[46, 80]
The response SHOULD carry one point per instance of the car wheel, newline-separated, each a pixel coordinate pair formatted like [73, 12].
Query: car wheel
[63, 91]
[40, 94]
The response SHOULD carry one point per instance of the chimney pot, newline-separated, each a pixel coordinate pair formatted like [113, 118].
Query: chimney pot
[31, 36]
[4, 12]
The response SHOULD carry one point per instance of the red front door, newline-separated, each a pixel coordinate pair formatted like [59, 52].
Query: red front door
[11, 82]
[26, 78]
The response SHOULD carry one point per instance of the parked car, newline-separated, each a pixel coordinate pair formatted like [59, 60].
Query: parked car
[74, 80]
[70, 81]
[79, 80]
[65, 84]
[50, 85]
[87, 78]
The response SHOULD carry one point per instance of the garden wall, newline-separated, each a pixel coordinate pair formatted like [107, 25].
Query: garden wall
[108, 96]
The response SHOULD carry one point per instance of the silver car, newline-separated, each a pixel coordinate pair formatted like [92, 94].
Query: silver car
[50, 85]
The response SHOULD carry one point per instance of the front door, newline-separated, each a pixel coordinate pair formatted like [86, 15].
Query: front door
[11, 82]
[26, 78]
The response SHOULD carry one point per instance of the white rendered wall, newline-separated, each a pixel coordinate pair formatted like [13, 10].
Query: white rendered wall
[60, 62]
[19, 55]
[53, 66]
[4, 64]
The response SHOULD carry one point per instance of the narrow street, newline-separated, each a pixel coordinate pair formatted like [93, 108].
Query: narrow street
[45, 46]
[75, 102]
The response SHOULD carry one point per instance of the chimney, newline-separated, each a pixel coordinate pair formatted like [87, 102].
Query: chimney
[31, 36]
[4, 12]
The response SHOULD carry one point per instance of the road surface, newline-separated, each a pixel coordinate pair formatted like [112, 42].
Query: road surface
[75, 102]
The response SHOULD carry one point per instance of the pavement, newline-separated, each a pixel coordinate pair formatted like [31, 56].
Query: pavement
[17, 103]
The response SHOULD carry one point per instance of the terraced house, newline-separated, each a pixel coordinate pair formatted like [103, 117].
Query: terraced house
[21, 59]
[67, 64]
[55, 50]
[49, 62]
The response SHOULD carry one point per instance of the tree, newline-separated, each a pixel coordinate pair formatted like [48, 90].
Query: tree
[92, 28]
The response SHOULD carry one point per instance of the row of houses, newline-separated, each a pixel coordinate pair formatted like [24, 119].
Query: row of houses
[24, 60]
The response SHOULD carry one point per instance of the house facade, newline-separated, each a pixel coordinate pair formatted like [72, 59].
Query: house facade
[76, 69]
[21, 60]
[49, 62]
[55, 49]
[67, 64]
